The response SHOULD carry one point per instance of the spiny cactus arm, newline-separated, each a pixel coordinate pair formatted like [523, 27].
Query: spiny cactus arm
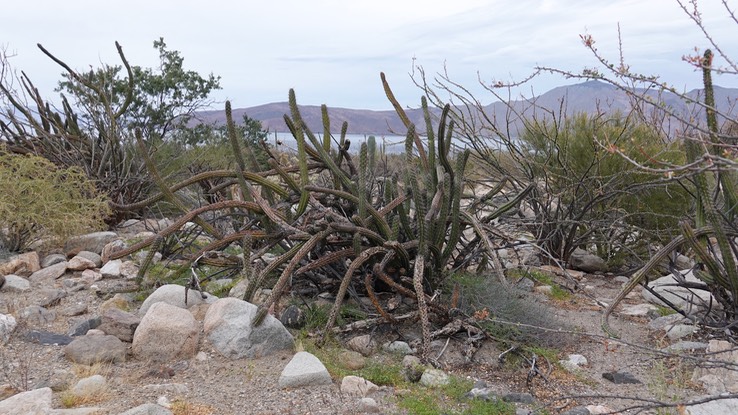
[509, 205]
[189, 216]
[240, 164]
[709, 261]
[490, 194]
[457, 190]
[641, 274]
[326, 128]
[404, 118]
[253, 285]
[301, 153]
[431, 141]
[289, 180]
[363, 174]
[352, 268]
[155, 246]
[328, 161]
[326, 259]
[418, 275]
[368, 285]
[352, 229]
[287, 274]
[168, 194]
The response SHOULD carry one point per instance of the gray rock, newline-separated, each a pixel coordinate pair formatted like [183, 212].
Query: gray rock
[584, 261]
[166, 333]
[638, 310]
[52, 259]
[90, 386]
[355, 385]
[434, 378]
[620, 377]
[81, 327]
[172, 389]
[111, 248]
[304, 370]
[22, 265]
[37, 315]
[398, 347]
[88, 350]
[92, 256]
[93, 242]
[49, 274]
[525, 284]
[48, 338]
[60, 380]
[37, 401]
[7, 326]
[664, 322]
[111, 269]
[119, 323]
[679, 331]
[72, 285]
[577, 410]
[720, 406]
[687, 300]
[412, 368]
[148, 409]
[574, 362]
[50, 296]
[129, 270]
[15, 284]
[363, 344]
[228, 327]
[174, 295]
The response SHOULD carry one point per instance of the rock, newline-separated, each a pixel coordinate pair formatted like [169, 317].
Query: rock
[600, 410]
[434, 378]
[37, 315]
[92, 256]
[687, 300]
[543, 289]
[15, 284]
[662, 323]
[620, 377]
[574, 362]
[412, 368]
[173, 294]
[7, 326]
[351, 360]
[7, 390]
[49, 274]
[88, 350]
[577, 410]
[120, 301]
[119, 323]
[355, 385]
[111, 269]
[368, 405]
[172, 389]
[80, 263]
[93, 242]
[22, 265]
[33, 402]
[239, 290]
[148, 409]
[50, 296]
[81, 327]
[52, 259]
[398, 347]
[227, 326]
[720, 406]
[48, 338]
[304, 370]
[72, 285]
[679, 331]
[90, 387]
[293, 317]
[683, 262]
[363, 344]
[720, 378]
[584, 261]
[111, 248]
[638, 310]
[525, 284]
[129, 270]
[166, 333]
[91, 275]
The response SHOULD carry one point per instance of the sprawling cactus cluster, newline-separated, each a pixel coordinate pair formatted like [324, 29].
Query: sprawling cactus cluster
[331, 215]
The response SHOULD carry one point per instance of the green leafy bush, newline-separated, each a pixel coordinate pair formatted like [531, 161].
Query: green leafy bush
[41, 201]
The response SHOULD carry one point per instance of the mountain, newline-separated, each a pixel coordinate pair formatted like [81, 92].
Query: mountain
[589, 97]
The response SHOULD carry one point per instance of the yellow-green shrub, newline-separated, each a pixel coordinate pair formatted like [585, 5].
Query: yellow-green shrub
[40, 201]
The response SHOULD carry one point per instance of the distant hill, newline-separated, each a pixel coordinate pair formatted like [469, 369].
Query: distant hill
[589, 97]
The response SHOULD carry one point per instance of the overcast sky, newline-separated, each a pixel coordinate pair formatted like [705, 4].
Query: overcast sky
[332, 51]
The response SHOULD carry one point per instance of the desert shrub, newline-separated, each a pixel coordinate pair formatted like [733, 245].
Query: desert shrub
[42, 201]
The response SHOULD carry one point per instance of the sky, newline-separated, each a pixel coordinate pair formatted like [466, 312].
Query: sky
[332, 51]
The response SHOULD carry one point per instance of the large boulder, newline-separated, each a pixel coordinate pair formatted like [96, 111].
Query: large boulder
[584, 261]
[166, 333]
[93, 242]
[688, 300]
[304, 370]
[119, 323]
[228, 326]
[7, 326]
[46, 276]
[22, 265]
[88, 350]
[173, 294]
[37, 401]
